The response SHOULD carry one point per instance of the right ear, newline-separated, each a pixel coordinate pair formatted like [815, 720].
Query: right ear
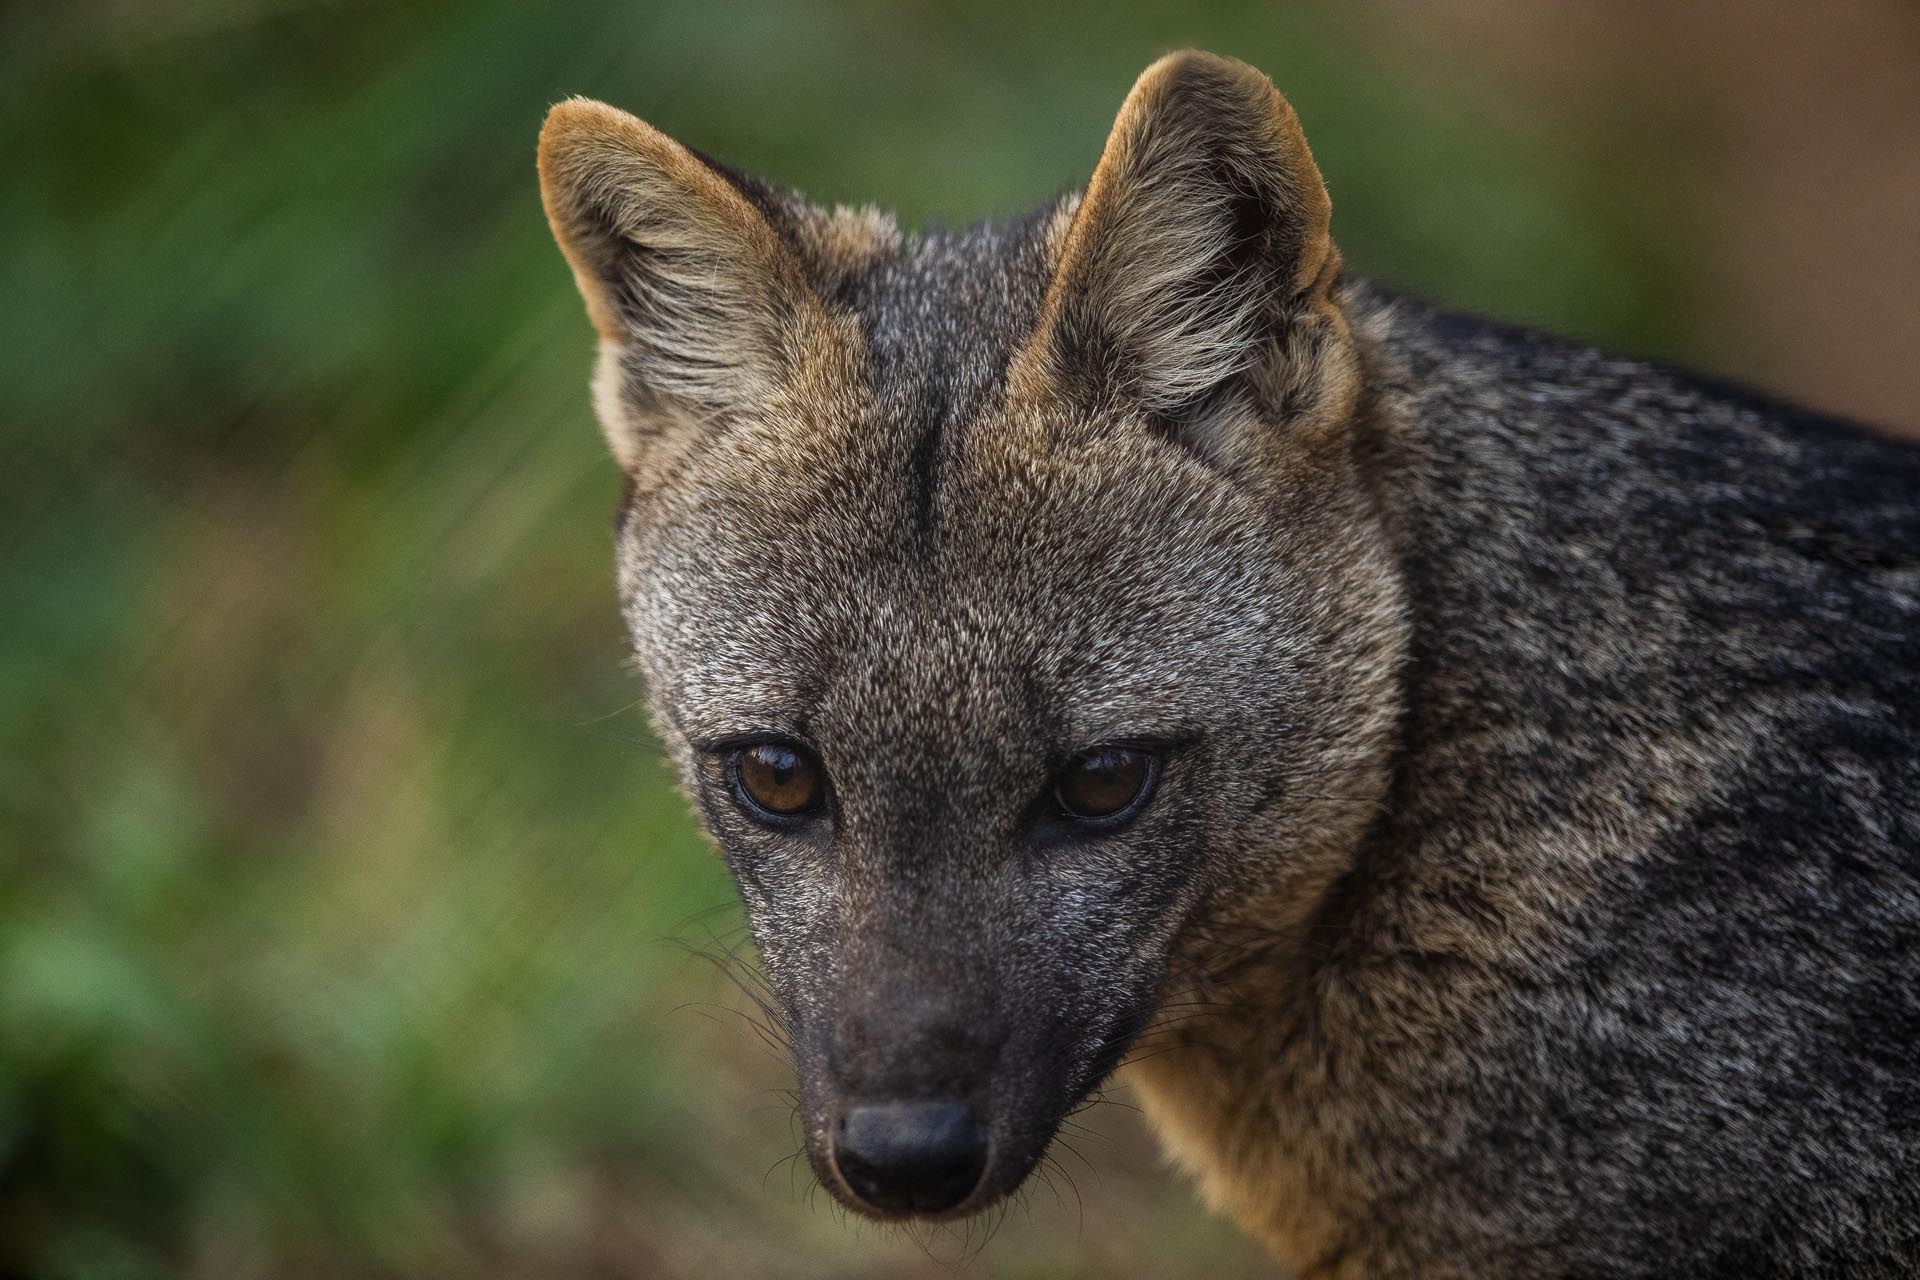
[697, 300]
[1198, 270]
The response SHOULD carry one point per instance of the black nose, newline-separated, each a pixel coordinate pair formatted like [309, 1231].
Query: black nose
[910, 1157]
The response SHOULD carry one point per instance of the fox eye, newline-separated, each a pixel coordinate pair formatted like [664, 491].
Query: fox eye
[779, 780]
[1105, 783]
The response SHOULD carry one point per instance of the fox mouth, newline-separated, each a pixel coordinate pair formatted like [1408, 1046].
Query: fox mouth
[1115, 1043]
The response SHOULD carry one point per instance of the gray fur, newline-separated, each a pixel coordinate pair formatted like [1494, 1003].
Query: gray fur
[1533, 884]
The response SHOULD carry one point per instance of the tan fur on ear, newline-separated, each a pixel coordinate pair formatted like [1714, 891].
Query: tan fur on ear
[1205, 222]
[1274, 151]
[605, 173]
[696, 298]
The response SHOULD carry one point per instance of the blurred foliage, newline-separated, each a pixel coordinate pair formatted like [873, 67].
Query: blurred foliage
[338, 878]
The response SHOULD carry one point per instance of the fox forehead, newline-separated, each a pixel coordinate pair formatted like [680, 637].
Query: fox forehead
[1065, 586]
[885, 541]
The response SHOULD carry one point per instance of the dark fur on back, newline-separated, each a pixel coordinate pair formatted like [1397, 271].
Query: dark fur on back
[1655, 815]
[1532, 886]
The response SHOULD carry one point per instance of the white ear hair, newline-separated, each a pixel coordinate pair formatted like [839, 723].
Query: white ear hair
[695, 296]
[1205, 227]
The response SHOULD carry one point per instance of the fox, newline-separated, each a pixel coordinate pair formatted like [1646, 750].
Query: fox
[1466, 781]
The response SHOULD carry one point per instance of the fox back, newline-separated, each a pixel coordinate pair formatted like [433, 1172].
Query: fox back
[1483, 771]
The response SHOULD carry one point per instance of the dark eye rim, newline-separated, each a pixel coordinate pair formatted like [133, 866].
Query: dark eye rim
[735, 750]
[1151, 752]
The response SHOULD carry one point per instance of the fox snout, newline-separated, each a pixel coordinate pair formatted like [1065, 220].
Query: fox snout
[910, 1156]
[908, 1087]
[938, 1108]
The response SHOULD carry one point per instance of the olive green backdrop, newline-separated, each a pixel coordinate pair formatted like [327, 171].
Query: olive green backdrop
[346, 909]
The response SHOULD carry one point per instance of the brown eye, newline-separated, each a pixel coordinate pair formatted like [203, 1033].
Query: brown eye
[778, 778]
[1105, 782]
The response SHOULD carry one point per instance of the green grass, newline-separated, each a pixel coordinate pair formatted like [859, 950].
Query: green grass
[337, 871]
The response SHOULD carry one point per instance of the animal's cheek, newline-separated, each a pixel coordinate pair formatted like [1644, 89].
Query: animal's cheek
[791, 912]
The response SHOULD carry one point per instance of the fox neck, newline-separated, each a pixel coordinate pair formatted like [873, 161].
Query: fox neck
[1250, 1073]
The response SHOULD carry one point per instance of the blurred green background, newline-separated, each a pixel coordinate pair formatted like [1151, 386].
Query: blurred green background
[345, 907]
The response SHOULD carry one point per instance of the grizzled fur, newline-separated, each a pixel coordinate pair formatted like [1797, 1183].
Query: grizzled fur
[1532, 884]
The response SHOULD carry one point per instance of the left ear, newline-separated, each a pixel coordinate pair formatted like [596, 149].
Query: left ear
[1197, 273]
[701, 305]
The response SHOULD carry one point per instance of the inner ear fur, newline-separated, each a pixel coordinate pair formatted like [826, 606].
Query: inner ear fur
[697, 300]
[1198, 268]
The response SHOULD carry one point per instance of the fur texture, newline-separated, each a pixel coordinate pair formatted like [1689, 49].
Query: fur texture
[1532, 882]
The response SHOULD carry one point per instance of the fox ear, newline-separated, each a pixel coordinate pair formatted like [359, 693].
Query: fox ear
[1197, 270]
[696, 298]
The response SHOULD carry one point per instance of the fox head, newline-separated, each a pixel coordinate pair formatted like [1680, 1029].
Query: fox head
[1015, 603]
